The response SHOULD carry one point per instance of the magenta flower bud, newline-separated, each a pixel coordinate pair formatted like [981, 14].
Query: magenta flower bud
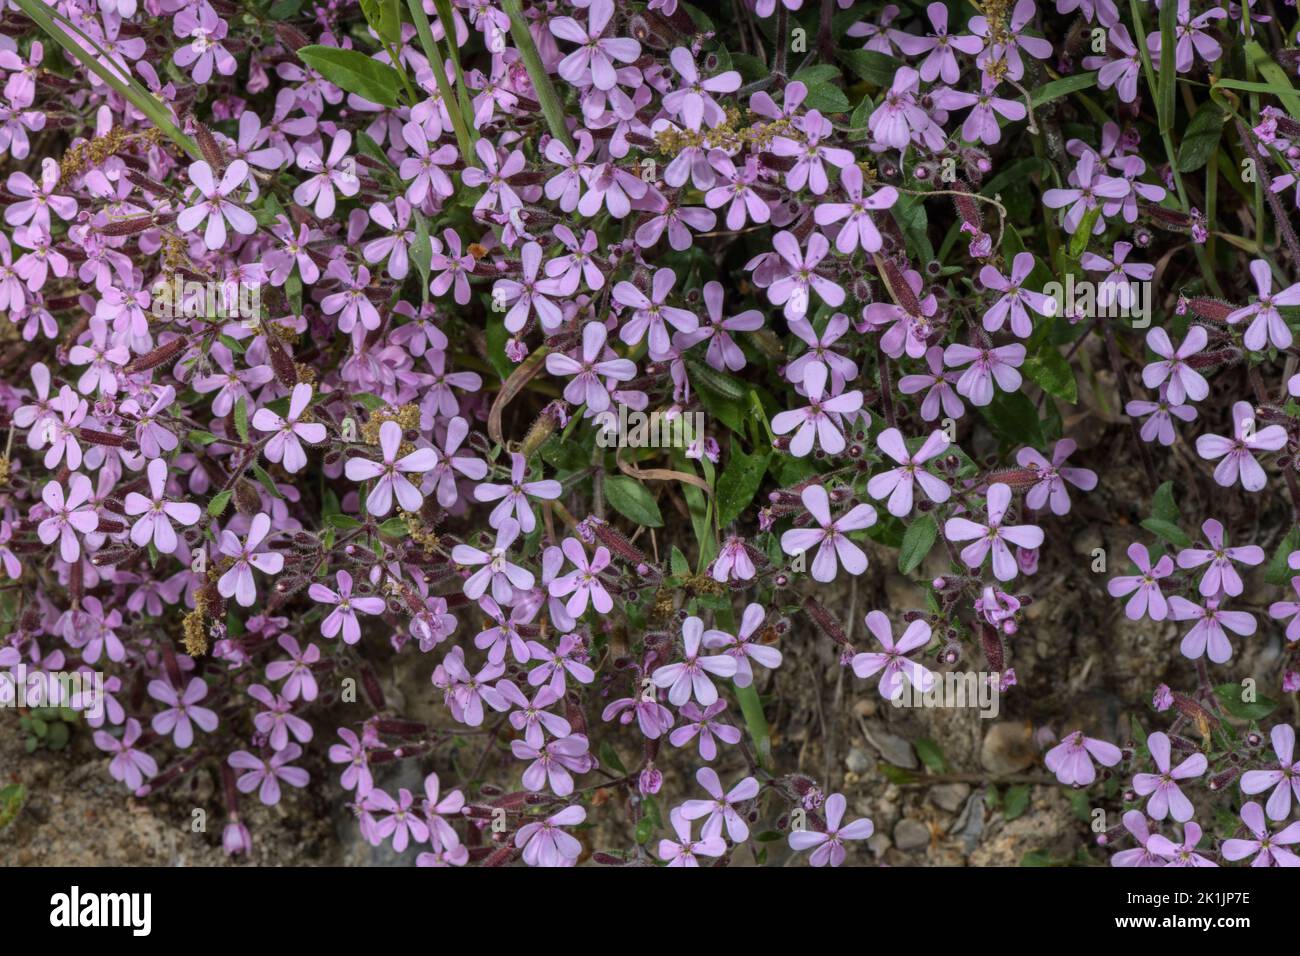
[939, 584]
[235, 838]
[650, 781]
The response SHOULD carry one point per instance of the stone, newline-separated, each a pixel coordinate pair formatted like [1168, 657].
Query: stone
[949, 796]
[890, 746]
[911, 835]
[858, 761]
[1008, 748]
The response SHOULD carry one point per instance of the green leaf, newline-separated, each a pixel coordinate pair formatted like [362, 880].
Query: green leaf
[609, 757]
[1047, 368]
[826, 98]
[496, 337]
[202, 438]
[1168, 531]
[342, 522]
[1200, 138]
[917, 542]
[1279, 571]
[739, 482]
[1014, 419]
[909, 212]
[421, 254]
[1083, 233]
[395, 528]
[1163, 505]
[645, 828]
[810, 76]
[873, 67]
[1229, 696]
[354, 72]
[217, 506]
[894, 774]
[11, 801]
[1066, 85]
[931, 755]
[678, 564]
[385, 17]
[1168, 75]
[57, 738]
[1017, 801]
[265, 481]
[633, 500]
[861, 116]
[1278, 81]
[285, 9]
[241, 419]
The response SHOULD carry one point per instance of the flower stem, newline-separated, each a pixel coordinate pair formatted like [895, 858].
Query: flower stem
[53, 24]
[542, 85]
[432, 51]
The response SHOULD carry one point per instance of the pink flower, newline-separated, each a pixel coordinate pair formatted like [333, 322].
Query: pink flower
[743, 647]
[157, 513]
[1159, 426]
[720, 810]
[993, 536]
[820, 420]
[204, 51]
[1238, 452]
[216, 208]
[940, 63]
[831, 538]
[514, 496]
[939, 393]
[1071, 759]
[181, 710]
[37, 201]
[554, 764]
[1014, 300]
[1269, 848]
[528, 294]
[1267, 326]
[794, 289]
[1209, 629]
[265, 776]
[701, 723]
[402, 823]
[346, 607]
[238, 581]
[1280, 610]
[1009, 39]
[545, 844]
[1184, 381]
[392, 472]
[593, 62]
[1221, 576]
[896, 484]
[723, 352]
[692, 100]
[129, 766]
[810, 155]
[424, 169]
[858, 229]
[337, 171]
[1167, 799]
[284, 445]
[68, 516]
[691, 676]
[1136, 823]
[496, 569]
[987, 365]
[589, 369]
[1285, 778]
[1183, 854]
[981, 124]
[583, 584]
[652, 315]
[829, 843]
[1145, 587]
[1052, 477]
[684, 852]
[894, 666]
